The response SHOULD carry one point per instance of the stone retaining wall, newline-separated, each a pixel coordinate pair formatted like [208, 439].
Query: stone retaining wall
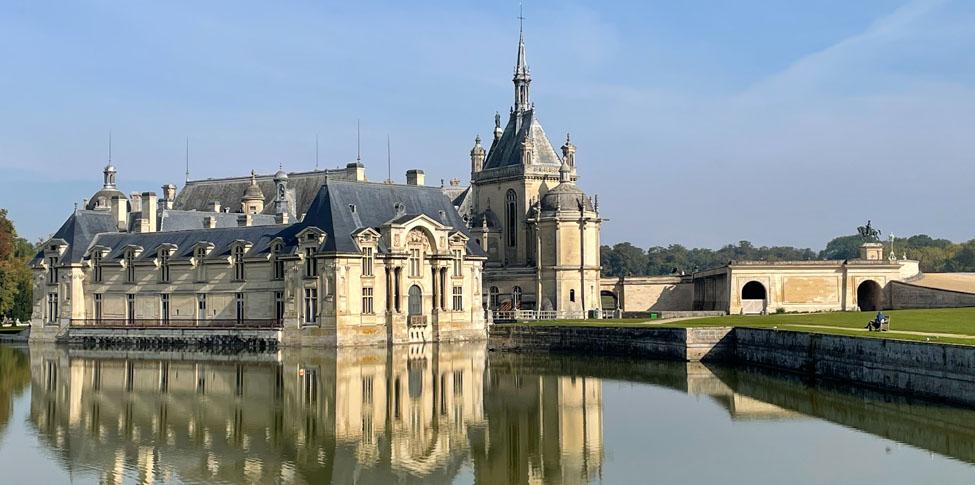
[934, 371]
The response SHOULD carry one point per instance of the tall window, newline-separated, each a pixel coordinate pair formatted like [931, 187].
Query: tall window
[239, 306]
[311, 265]
[238, 259]
[366, 261]
[311, 305]
[201, 306]
[367, 301]
[493, 297]
[98, 306]
[164, 266]
[164, 307]
[130, 266]
[96, 263]
[458, 262]
[129, 309]
[201, 271]
[516, 298]
[52, 307]
[572, 295]
[458, 298]
[278, 263]
[511, 217]
[52, 270]
[415, 262]
[278, 306]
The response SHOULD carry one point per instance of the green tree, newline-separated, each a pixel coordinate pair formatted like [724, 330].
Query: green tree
[623, 259]
[15, 287]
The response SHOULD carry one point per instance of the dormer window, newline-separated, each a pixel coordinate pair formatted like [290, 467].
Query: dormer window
[129, 266]
[458, 260]
[200, 254]
[311, 264]
[367, 261]
[237, 257]
[164, 255]
[276, 262]
[96, 264]
[52, 269]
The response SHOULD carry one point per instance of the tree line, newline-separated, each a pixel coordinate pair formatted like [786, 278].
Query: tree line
[934, 255]
[15, 277]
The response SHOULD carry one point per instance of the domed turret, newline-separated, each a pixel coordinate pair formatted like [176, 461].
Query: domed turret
[252, 201]
[103, 198]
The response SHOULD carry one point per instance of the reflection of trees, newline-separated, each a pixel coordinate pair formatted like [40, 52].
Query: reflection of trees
[14, 376]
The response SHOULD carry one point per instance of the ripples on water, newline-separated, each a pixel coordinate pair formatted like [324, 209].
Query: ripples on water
[452, 413]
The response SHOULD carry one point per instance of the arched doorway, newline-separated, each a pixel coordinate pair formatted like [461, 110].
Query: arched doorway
[869, 296]
[608, 300]
[754, 298]
[415, 306]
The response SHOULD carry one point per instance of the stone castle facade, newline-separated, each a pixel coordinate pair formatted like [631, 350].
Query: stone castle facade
[327, 257]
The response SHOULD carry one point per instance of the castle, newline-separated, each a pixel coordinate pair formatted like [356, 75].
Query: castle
[327, 257]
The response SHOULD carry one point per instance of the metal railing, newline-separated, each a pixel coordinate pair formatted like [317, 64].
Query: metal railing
[213, 323]
[520, 315]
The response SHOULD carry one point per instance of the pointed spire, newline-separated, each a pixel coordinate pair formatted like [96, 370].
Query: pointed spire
[522, 78]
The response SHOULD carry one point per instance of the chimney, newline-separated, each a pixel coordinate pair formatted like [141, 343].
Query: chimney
[356, 171]
[210, 222]
[281, 218]
[214, 206]
[414, 177]
[120, 209]
[135, 201]
[245, 220]
[169, 196]
[150, 204]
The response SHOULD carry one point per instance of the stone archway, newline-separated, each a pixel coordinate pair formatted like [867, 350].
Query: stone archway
[870, 296]
[609, 300]
[754, 298]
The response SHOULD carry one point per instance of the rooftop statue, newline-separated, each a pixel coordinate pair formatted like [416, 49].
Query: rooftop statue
[869, 233]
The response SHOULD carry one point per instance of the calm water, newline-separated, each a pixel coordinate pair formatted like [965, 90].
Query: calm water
[453, 414]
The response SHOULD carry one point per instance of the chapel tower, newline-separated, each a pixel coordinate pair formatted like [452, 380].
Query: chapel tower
[543, 250]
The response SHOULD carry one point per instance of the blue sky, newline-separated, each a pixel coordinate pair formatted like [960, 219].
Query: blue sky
[699, 122]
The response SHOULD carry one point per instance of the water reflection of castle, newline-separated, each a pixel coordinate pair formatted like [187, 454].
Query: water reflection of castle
[403, 414]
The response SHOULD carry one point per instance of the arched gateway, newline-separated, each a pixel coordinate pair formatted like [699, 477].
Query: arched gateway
[869, 296]
[754, 298]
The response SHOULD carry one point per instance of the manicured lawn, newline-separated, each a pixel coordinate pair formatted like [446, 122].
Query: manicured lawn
[958, 322]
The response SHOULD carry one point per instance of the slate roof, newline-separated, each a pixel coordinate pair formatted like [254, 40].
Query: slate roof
[375, 205]
[302, 188]
[507, 150]
[79, 230]
[221, 238]
[182, 220]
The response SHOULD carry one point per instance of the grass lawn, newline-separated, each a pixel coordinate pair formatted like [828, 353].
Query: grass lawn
[957, 323]
[12, 329]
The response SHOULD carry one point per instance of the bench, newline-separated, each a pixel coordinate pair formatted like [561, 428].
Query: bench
[882, 325]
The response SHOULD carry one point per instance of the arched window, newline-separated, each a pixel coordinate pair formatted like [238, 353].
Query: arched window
[493, 298]
[415, 306]
[511, 217]
[516, 298]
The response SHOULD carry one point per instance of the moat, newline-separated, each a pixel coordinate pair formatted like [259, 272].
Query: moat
[454, 414]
